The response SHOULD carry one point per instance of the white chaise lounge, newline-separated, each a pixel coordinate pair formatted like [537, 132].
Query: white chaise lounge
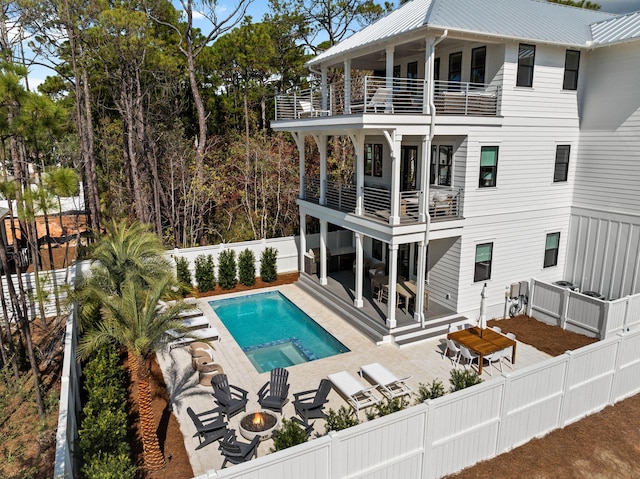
[195, 335]
[390, 385]
[356, 394]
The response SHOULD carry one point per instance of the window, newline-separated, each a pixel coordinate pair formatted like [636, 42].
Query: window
[396, 71]
[478, 60]
[526, 60]
[455, 67]
[488, 166]
[376, 249]
[436, 69]
[571, 65]
[483, 262]
[412, 70]
[373, 159]
[551, 249]
[561, 171]
[441, 159]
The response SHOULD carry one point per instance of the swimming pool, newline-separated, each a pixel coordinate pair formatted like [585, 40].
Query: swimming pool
[273, 332]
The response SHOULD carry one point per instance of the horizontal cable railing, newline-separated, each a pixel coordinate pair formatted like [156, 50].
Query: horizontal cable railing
[377, 201]
[446, 204]
[300, 104]
[371, 94]
[341, 197]
[462, 98]
[410, 205]
[312, 189]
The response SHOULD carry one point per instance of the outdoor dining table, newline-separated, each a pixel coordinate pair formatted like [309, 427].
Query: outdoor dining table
[487, 343]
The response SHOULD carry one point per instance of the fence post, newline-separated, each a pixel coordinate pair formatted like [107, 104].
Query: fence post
[532, 288]
[564, 308]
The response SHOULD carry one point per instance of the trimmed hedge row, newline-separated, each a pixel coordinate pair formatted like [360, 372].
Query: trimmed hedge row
[230, 269]
[105, 451]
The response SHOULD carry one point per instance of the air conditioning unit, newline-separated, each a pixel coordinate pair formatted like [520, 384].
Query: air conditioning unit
[593, 294]
[567, 285]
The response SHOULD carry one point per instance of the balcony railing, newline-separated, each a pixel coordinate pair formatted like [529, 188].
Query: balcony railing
[370, 94]
[443, 204]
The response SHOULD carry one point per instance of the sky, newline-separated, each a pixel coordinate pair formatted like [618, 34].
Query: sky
[259, 7]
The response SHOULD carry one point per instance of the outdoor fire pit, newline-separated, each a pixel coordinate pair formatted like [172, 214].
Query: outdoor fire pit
[258, 423]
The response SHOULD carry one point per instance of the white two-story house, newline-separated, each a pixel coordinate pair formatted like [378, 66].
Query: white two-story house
[494, 142]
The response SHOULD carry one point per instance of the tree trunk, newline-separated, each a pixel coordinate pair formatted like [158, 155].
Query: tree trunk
[200, 110]
[153, 458]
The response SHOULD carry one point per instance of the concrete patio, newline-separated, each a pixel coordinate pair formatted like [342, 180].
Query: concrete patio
[422, 360]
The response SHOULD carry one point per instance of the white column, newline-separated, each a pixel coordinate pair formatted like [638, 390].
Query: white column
[389, 66]
[425, 163]
[347, 86]
[321, 141]
[418, 314]
[303, 239]
[394, 217]
[323, 73]
[323, 252]
[357, 302]
[357, 138]
[393, 279]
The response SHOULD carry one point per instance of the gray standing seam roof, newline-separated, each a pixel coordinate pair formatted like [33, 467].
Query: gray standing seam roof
[616, 30]
[532, 20]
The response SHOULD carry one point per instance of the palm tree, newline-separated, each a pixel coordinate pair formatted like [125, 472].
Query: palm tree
[121, 298]
[135, 320]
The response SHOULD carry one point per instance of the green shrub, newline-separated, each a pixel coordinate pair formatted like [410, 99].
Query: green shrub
[104, 430]
[461, 379]
[183, 274]
[247, 267]
[205, 273]
[227, 269]
[430, 391]
[387, 406]
[290, 433]
[109, 466]
[268, 265]
[342, 419]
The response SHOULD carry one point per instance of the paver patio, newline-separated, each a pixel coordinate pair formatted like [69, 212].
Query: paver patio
[422, 360]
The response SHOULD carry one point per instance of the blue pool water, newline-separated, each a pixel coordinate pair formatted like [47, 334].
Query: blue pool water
[273, 332]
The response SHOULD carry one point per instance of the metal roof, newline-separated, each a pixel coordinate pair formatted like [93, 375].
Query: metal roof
[532, 20]
[616, 30]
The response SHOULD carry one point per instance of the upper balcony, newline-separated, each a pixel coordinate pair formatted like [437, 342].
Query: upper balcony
[390, 96]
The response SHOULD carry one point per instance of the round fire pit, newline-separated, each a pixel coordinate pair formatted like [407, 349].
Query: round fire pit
[258, 423]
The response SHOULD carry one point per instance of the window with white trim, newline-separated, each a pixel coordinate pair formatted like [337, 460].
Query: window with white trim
[561, 168]
[484, 253]
[551, 248]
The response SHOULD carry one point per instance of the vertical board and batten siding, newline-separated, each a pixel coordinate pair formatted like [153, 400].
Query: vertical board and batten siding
[605, 253]
[545, 99]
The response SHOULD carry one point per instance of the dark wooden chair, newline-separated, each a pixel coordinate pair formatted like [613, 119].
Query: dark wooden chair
[230, 399]
[210, 426]
[308, 428]
[309, 404]
[237, 452]
[274, 394]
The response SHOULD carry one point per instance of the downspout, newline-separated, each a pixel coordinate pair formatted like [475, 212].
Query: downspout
[432, 108]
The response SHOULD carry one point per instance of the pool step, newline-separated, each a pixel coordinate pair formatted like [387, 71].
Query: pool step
[345, 309]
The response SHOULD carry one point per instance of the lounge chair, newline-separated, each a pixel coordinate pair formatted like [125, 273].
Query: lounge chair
[390, 385]
[308, 428]
[382, 98]
[309, 404]
[237, 452]
[182, 339]
[210, 426]
[196, 322]
[230, 399]
[273, 395]
[357, 395]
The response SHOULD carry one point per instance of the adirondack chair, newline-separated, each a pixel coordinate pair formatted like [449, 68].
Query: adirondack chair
[237, 452]
[273, 395]
[230, 399]
[210, 426]
[309, 404]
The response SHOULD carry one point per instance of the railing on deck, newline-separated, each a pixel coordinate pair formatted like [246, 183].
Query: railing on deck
[312, 189]
[461, 98]
[445, 204]
[377, 202]
[371, 94]
[341, 196]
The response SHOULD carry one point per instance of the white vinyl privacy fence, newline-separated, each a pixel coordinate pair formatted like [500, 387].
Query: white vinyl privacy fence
[450, 433]
[574, 311]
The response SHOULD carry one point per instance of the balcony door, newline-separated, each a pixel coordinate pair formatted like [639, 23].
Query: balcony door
[408, 168]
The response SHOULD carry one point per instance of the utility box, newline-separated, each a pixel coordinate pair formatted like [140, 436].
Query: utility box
[524, 288]
[514, 291]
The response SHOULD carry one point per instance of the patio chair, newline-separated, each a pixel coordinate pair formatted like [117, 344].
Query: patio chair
[237, 452]
[273, 395]
[468, 356]
[508, 352]
[494, 358]
[195, 322]
[307, 109]
[210, 426]
[230, 398]
[382, 98]
[391, 386]
[496, 329]
[309, 404]
[357, 395]
[308, 428]
[452, 347]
